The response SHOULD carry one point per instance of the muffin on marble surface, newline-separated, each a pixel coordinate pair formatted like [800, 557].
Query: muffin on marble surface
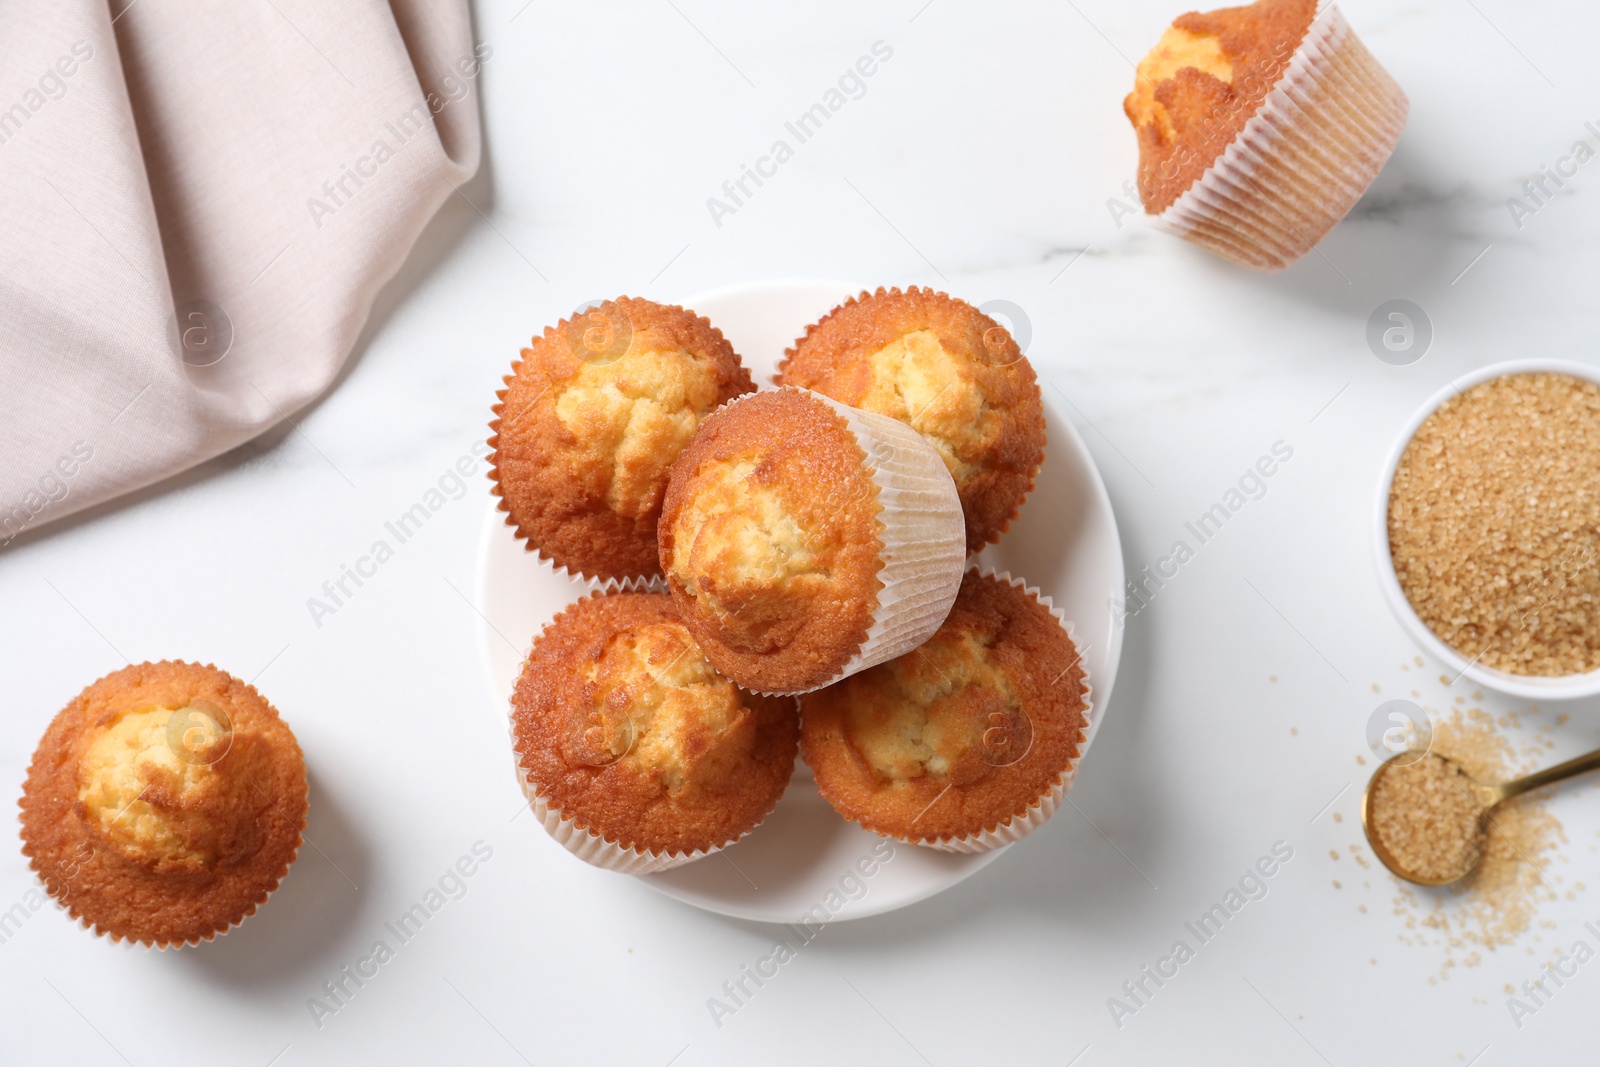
[635, 754]
[164, 803]
[803, 540]
[590, 420]
[949, 371]
[966, 743]
[1260, 127]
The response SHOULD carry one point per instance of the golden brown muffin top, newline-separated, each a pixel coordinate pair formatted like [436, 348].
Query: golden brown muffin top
[622, 725]
[770, 541]
[164, 803]
[950, 372]
[961, 734]
[589, 422]
[1201, 83]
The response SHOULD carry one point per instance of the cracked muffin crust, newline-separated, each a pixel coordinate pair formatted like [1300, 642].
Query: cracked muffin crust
[622, 726]
[960, 736]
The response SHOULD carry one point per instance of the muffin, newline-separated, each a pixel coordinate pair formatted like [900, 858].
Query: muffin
[164, 804]
[635, 754]
[967, 742]
[1260, 127]
[589, 422]
[950, 372]
[804, 540]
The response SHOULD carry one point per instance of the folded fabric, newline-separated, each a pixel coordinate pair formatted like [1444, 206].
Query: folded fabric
[202, 201]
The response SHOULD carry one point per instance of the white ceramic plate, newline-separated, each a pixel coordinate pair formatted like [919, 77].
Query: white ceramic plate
[805, 856]
[1526, 686]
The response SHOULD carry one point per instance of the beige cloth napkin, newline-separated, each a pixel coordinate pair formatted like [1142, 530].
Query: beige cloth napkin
[179, 178]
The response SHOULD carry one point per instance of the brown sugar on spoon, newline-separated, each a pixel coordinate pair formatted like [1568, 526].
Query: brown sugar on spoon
[1425, 814]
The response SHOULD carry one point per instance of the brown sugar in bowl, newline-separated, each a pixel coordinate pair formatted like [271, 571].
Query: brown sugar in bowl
[1498, 580]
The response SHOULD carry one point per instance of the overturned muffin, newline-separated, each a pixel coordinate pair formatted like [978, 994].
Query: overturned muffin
[965, 743]
[950, 372]
[634, 752]
[803, 540]
[1259, 128]
[589, 422]
[164, 804]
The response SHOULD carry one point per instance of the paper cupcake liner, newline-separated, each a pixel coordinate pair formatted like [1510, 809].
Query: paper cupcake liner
[1303, 159]
[641, 583]
[593, 848]
[95, 928]
[584, 843]
[923, 535]
[257, 906]
[1019, 826]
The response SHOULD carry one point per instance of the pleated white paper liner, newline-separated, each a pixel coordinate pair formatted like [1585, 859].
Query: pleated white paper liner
[923, 534]
[1303, 159]
[199, 939]
[1039, 811]
[924, 537]
[591, 847]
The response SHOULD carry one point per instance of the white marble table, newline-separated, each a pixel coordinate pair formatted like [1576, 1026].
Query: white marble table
[984, 156]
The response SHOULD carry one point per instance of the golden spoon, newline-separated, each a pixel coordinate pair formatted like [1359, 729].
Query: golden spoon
[1426, 818]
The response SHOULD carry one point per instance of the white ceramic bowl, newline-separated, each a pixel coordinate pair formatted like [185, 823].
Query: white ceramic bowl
[1527, 686]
